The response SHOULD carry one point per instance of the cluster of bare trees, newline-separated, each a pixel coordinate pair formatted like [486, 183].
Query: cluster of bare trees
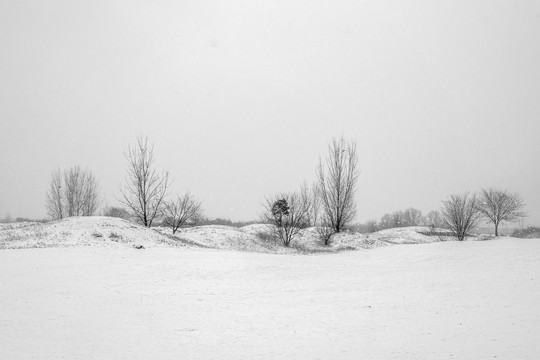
[288, 213]
[75, 192]
[463, 212]
[460, 213]
[72, 192]
[402, 218]
[329, 204]
[145, 191]
[117, 212]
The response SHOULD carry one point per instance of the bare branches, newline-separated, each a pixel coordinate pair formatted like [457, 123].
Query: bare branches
[145, 188]
[73, 192]
[81, 192]
[55, 202]
[287, 214]
[497, 206]
[434, 219]
[181, 211]
[371, 226]
[412, 217]
[460, 214]
[337, 179]
[116, 212]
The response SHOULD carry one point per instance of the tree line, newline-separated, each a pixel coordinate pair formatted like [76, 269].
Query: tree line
[328, 204]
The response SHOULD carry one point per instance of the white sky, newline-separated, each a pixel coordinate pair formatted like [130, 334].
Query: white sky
[241, 97]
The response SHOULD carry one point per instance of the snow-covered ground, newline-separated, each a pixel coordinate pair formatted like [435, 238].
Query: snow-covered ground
[78, 289]
[446, 300]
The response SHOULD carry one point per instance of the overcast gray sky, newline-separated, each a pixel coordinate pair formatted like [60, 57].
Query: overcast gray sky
[241, 97]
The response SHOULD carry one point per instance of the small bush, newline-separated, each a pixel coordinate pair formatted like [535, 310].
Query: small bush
[266, 237]
[115, 236]
[97, 234]
[529, 232]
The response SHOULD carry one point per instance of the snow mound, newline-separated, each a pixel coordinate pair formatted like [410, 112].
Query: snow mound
[254, 228]
[258, 238]
[82, 231]
[221, 237]
[405, 235]
[98, 231]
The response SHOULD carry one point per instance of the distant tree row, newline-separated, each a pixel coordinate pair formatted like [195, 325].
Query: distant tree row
[409, 217]
[460, 213]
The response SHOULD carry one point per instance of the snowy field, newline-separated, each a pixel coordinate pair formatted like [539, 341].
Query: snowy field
[446, 300]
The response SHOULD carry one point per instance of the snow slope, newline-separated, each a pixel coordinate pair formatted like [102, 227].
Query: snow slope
[82, 231]
[114, 232]
[445, 300]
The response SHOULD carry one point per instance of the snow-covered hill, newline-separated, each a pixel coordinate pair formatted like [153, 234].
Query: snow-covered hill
[93, 231]
[113, 232]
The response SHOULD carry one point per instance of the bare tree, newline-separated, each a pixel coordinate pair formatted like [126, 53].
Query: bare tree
[286, 214]
[460, 214]
[434, 219]
[73, 192]
[497, 206]
[386, 222]
[55, 197]
[371, 226]
[308, 197]
[412, 217]
[398, 219]
[181, 211]
[337, 178]
[325, 229]
[145, 188]
[91, 195]
[81, 192]
[116, 212]
[315, 205]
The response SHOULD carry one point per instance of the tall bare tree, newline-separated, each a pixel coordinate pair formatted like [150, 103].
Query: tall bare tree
[460, 214]
[286, 214]
[182, 210]
[497, 206]
[337, 178]
[55, 196]
[145, 188]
